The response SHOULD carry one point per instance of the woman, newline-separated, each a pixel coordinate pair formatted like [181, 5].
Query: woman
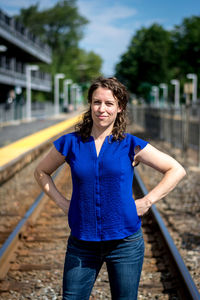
[104, 219]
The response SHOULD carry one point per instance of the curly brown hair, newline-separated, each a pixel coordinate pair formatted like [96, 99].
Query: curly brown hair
[119, 91]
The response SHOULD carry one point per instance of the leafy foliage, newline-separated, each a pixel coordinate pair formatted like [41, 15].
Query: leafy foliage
[186, 46]
[61, 27]
[146, 59]
[156, 55]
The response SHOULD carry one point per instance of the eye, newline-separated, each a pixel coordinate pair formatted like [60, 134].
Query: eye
[109, 103]
[96, 102]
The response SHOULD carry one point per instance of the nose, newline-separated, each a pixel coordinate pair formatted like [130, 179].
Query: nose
[102, 107]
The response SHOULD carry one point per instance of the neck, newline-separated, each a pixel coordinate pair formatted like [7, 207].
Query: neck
[100, 134]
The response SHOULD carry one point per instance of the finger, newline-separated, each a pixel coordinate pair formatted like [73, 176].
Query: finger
[135, 163]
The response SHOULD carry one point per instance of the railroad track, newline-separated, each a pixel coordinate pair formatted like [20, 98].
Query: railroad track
[32, 265]
[181, 278]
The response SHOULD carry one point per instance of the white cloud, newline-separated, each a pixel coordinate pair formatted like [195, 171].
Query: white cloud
[12, 7]
[104, 35]
[107, 41]
[108, 32]
[12, 3]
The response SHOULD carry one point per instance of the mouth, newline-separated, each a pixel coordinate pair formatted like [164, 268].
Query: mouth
[101, 117]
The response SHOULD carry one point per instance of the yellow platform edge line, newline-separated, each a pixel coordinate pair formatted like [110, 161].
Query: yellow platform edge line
[15, 149]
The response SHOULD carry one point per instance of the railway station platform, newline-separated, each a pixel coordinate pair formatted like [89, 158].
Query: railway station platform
[25, 140]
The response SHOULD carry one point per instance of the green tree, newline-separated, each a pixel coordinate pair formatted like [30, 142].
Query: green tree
[156, 55]
[89, 66]
[186, 47]
[146, 60]
[61, 27]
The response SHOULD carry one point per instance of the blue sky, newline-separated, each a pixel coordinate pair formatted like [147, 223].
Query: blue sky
[114, 22]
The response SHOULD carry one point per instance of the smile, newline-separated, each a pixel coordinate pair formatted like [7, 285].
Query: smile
[101, 117]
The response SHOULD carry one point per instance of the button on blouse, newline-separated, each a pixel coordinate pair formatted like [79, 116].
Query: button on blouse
[102, 206]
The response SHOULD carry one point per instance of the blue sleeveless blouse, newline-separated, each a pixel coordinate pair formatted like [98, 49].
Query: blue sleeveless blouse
[102, 206]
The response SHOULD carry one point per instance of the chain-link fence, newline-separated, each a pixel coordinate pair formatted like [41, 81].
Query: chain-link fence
[178, 126]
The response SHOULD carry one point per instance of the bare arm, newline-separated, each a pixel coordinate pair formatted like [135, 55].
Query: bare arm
[43, 176]
[172, 170]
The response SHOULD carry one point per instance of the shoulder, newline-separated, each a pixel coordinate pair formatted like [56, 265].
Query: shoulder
[128, 139]
[131, 137]
[69, 136]
[66, 142]
[135, 141]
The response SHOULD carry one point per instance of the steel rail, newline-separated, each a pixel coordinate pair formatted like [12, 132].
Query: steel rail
[183, 271]
[7, 249]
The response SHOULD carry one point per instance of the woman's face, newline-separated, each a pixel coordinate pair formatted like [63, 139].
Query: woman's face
[104, 108]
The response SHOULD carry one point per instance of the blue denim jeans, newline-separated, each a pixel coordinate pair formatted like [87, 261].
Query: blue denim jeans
[124, 259]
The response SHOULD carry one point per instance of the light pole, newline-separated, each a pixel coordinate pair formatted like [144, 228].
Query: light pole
[65, 89]
[3, 48]
[79, 94]
[56, 91]
[165, 91]
[194, 86]
[155, 92]
[176, 83]
[29, 68]
[74, 94]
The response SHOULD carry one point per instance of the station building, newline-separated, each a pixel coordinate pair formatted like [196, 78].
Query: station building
[19, 48]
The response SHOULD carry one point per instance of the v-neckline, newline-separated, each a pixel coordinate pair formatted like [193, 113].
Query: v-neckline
[102, 146]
